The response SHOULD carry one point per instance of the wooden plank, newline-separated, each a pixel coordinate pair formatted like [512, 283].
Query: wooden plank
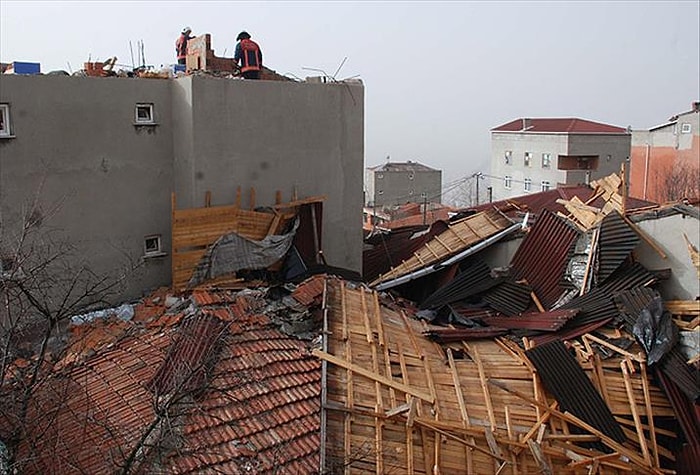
[635, 414]
[649, 413]
[474, 354]
[462, 406]
[373, 376]
[349, 401]
[645, 237]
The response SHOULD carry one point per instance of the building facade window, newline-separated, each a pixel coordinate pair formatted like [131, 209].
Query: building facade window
[528, 159]
[507, 181]
[411, 176]
[5, 130]
[527, 184]
[508, 157]
[546, 160]
[546, 186]
[686, 128]
[144, 114]
[380, 176]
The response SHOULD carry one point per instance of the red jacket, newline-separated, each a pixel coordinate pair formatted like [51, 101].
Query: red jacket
[181, 46]
[249, 56]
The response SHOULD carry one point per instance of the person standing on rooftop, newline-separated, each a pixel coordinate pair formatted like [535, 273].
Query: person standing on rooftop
[181, 45]
[248, 56]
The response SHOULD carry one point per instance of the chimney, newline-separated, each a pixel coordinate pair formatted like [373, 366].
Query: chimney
[696, 106]
[526, 124]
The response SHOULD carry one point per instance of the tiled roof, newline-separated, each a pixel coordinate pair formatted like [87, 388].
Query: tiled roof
[559, 126]
[220, 388]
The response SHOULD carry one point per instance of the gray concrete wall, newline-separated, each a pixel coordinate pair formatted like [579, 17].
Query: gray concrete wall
[617, 147]
[77, 137]
[668, 233]
[271, 136]
[76, 146]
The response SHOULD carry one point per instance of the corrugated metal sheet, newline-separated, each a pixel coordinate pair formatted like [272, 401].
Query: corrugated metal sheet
[631, 302]
[566, 380]
[616, 242]
[686, 377]
[390, 249]
[547, 321]
[473, 279]
[447, 335]
[509, 298]
[542, 257]
[598, 304]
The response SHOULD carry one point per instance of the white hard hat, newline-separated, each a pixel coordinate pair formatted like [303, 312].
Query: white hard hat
[186, 29]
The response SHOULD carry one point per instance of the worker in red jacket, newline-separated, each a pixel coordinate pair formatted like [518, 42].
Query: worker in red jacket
[248, 56]
[181, 45]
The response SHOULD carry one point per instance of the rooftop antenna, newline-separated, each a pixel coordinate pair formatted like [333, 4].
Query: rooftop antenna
[131, 48]
[388, 157]
[69, 67]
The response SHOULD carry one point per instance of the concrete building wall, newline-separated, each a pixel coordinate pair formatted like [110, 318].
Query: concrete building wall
[406, 186]
[77, 150]
[668, 233]
[612, 151]
[518, 144]
[557, 146]
[273, 135]
[114, 179]
[655, 154]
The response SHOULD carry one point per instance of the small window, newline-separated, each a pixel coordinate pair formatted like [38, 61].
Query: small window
[546, 186]
[380, 192]
[152, 245]
[508, 157]
[528, 159]
[507, 181]
[424, 195]
[686, 128]
[410, 192]
[546, 160]
[380, 176]
[144, 114]
[5, 120]
[410, 176]
[528, 184]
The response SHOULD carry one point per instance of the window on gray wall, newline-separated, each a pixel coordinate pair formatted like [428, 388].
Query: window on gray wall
[5, 120]
[527, 159]
[152, 245]
[546, 185]
[507, 181]
[527, 184]
[144, 114]
[508, 157]
[546, 160]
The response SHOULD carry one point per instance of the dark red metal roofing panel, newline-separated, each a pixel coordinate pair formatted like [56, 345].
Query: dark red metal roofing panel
[565, 379]
[547, 321]
[447, 335]
[616, 242]
[542, 257]
[559, 125]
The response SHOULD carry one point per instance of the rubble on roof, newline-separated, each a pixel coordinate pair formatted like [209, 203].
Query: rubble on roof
[523, 369]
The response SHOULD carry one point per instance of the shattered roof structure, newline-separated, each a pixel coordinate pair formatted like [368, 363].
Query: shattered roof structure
[568, 361]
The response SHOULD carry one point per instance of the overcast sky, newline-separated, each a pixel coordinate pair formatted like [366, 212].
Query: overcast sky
[438, 75]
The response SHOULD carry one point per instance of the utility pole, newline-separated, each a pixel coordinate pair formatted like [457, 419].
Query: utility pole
[478, 177]
[425, 206]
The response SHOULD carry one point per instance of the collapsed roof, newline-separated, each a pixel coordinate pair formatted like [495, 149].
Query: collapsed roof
[568, 361]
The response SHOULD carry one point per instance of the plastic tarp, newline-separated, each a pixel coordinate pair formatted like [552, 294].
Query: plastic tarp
[655, 331]
[233, 252]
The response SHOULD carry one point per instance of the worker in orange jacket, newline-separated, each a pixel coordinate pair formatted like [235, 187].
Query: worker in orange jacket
[181, 45]
[248, 56]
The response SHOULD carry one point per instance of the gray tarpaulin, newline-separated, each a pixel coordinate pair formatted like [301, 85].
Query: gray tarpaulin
[233, 252]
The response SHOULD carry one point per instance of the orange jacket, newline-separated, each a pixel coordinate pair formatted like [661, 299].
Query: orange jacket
[249, 55]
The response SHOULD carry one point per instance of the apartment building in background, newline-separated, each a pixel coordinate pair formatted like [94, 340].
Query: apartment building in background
[398, 183]
[538, 154]
[665, 160]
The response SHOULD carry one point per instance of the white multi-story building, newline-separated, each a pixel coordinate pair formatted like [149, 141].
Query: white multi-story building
[529, 155]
